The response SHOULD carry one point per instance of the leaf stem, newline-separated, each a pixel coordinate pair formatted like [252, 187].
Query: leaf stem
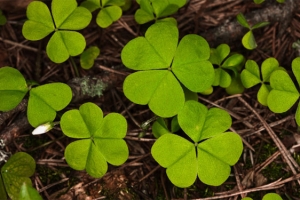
[74, 66]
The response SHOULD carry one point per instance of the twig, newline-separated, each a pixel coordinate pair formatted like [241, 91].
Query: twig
[285, 153]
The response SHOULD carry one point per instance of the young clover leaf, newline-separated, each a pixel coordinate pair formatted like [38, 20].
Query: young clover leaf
[16, 171]
[155, 9]
[110, 10]
[248, 39]
[225, 65]
[65, 19]
[284, 93]
[164, 66]
[28, 192]
[211, 153]
[250, 77]
[88, 56]
[100, 139]
[11, 92]
[45, 100]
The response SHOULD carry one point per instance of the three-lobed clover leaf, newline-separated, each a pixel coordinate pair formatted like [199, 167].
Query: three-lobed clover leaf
[284, 93]
[211, 153]
[225, 63]
[163, 67]
[100, 139]
[16, 171]
[66, 17]
[45, 100]
[13, 88]
[250, 77]
[110, 10]
[154, 9]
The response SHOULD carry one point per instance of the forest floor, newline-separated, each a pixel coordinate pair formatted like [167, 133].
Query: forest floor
[263, 166]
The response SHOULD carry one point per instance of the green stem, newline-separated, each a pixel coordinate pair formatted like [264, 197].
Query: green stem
[74, 66]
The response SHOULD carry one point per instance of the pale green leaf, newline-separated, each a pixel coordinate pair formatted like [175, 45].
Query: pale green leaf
[179, 157]
[28, 192]
[88, 56]
[260, 25]
[271, 196]
[91, 5]
[296, 68]
[17, 171]
[78, 19]
[250, 76]
[13, 88]
[158, 88]
[108, 15]
[158, 47]
[263, 93]
[63, 44]
[242, 20]
[61, 10]
[190, 63]
[199, 123]
[248, 41]
[267, 67]
[45, 100]
[216, 155]
[39, 23]
[284, 94]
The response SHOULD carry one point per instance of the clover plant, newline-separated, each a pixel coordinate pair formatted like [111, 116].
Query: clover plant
[164, 66]
[248, 39]
[209, 152]
[65, 18]
[110, 10]
[227, 65]
[43, 101]
[100, 139]
[3, 19]
[154, 9]
[269, 196]
[284, 93]
[88, 56]
[15, 173]
[250, 77]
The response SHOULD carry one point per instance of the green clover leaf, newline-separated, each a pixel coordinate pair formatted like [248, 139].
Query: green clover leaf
[225, 65]
[45, 100]
[17, 171]
[28, 192]
[67, 18]
[100, 139]
[164, 67]
[155, 9]
[11, 92]
[88, 56]
[110, 10]
[209, 156]
[284, 93]
[250, 77]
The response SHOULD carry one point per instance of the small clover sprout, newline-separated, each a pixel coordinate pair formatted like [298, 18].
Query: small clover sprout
[248, 40]
[284, 93]
[211, 153]
[65, 18]
[155, 9]
[100, 139]
[250, 77]
[228, 65]
[16, 171]
[110, 10]
[88, 56]
[164, 66]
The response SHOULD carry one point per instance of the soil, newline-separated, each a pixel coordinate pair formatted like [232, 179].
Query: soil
[270, 159]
